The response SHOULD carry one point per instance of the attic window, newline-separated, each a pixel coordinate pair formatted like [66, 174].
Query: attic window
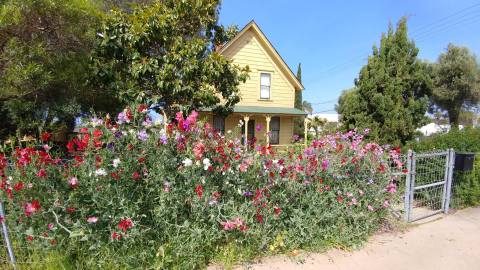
[264, 85]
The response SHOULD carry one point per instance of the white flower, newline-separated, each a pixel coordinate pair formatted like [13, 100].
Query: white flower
[206, 163]
[229, 131]
[187, 162]
[100, 172]
[116, 162]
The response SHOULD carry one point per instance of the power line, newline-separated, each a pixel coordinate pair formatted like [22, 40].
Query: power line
[324, 102]
[423, 32]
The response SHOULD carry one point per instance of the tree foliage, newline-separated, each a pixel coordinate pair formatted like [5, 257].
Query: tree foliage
[44, 55]
[456, 77]
[167, 52]
[391, 94]
[299, 125]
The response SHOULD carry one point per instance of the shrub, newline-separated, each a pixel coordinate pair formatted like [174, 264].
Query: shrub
[466, 190]
[465, 140]
[132, 195]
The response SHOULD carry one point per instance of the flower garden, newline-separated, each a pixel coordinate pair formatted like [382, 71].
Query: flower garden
[128, 193]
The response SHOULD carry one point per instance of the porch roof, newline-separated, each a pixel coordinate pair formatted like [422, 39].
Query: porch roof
[265, 110]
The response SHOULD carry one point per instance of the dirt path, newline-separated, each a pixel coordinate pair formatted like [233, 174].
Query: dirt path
[449, 242]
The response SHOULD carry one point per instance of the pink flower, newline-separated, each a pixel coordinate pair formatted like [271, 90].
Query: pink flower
[50, 226]
[73, 182]
[92, 220]
[392, 188]
[42, 173]
[228, 225]
[198, 150]
[386, 203]
[370, 208]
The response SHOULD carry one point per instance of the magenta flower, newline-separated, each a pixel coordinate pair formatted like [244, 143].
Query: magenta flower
[392, 188]
[259, 127]
[325, 164]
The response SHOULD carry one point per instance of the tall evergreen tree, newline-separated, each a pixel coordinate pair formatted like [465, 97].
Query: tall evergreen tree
[298, 94]
[298, 127]
[391, 96]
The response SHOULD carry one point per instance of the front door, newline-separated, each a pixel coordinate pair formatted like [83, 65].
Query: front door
[251, 132]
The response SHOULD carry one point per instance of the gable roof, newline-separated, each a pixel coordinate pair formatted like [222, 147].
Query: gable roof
[270, 49]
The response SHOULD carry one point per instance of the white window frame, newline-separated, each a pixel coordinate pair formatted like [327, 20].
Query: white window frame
[262, 86]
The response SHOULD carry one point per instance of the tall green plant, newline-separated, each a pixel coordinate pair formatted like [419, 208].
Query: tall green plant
[167, 52]
[392, 90]
[456, 81]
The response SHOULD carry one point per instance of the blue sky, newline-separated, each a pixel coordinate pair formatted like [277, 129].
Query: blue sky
[332, 39]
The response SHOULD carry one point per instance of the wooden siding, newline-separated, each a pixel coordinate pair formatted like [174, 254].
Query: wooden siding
[249, 50]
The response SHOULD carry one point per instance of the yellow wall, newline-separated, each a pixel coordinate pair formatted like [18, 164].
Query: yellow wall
[249, 50]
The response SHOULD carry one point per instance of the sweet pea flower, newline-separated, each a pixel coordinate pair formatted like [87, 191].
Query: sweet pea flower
[187, 162]
[142, 135]
[100, 172]
[73, 182]
[116, 162]
[92, 219]
[206, 163]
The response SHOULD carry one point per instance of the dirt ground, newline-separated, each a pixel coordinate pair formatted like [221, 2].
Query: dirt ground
[439, 243]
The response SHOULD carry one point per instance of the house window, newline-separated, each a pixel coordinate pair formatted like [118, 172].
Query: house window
[275, 130]
[265, 85]
[219, 123]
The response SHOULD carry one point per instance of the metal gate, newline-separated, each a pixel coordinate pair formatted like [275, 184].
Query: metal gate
[428, 184]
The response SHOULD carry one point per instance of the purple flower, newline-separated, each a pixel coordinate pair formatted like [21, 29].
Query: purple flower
[259, 127]
[147, 123]
[118, 134]
[142, 135]
[163, 139]
[247, 193]
[295, 137]
[122, 118]
[111, 145]
[308, 152]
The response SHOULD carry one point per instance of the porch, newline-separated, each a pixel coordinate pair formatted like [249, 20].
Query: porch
[265, 125]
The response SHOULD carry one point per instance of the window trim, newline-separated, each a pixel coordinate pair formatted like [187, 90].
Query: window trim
[269, 86]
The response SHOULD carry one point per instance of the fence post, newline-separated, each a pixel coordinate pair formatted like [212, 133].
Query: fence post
[6, 239]
[451, 157]
[408, 186]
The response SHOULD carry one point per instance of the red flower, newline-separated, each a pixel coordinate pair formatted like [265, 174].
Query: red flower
[277, 210]
[259, 218]
[42, 173]
[136, 176]
[115, 175]
[18, 186]
[142, 108]
[29, 238]
[53, 242]
[199, 191]
[70, 210]
[339, 199]
[46, 136]
[125, 224]
[32, 207]
[116, 236]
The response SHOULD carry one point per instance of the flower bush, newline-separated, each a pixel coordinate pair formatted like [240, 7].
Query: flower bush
[129, 193]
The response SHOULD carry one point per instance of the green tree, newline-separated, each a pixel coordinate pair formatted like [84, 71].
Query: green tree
[391, 96]
[307, 107]
[299, 125]
[44, 56]
[166, 52]
[456, 77]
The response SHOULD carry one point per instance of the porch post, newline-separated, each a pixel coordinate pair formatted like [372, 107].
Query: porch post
[164, 121]
[305, 135]
[246, 119]
[268, 118]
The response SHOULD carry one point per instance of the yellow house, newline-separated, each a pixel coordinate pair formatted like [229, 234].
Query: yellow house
[267, 97]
